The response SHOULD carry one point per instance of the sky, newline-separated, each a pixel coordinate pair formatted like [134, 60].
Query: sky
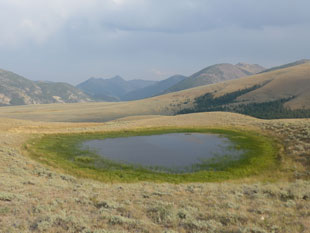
[73, 40]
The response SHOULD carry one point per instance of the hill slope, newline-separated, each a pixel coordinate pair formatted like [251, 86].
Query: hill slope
[17, 90]
[250, 68]
[215, 74]
[299, 62]
[154, 89]
[281, 93]
[112, 89]
[290, 84]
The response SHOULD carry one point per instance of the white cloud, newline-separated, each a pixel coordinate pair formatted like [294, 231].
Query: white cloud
[118, 2]
[130, 37]
[37, 20]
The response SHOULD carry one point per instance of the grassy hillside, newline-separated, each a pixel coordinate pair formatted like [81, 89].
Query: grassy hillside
[292, 84]
[282, 93]
[303, 61]
[215, 74]
[17, 90]
[37, 194]
[250, 68]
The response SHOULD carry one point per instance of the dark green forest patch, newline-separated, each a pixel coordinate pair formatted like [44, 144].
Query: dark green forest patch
[228, 103]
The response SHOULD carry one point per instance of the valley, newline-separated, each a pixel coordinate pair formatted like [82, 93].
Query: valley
[148, 116]
[291, 84]
[48, 184]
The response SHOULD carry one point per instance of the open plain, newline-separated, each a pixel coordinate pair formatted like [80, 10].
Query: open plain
[145, 116]
[39, 198]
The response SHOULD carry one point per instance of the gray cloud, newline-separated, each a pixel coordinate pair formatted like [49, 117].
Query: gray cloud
[74, 39]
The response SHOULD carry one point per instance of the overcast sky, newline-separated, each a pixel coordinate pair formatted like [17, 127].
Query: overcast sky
[72, 40]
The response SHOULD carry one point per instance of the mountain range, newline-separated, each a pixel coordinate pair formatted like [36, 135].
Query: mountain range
[215, 74]
[17, 90]
[155, 89]
[118, 89]
[278, 90]
[111, 89]
[281, 92]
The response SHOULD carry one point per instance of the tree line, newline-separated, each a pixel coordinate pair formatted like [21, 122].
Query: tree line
[227, 103]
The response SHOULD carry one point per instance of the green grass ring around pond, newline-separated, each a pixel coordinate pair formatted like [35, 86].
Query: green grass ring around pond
[61, 151]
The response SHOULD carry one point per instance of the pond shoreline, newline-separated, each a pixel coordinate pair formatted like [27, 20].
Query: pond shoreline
[61, 151]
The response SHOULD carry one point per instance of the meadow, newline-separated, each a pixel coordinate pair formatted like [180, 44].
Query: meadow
[41, 196]
[62, 151]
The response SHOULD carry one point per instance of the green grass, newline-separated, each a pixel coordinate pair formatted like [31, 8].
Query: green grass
[62, 151]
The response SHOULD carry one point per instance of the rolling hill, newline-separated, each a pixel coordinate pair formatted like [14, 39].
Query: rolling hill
[17, 90]
[299, 62]
[118, 89]
[40, 193]
[279, 93]
[155, 89]
[215, 74]
[291, 84]
[112, 89]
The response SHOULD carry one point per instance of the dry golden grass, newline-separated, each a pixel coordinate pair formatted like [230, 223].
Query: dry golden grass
[36, 198]
[284, 83]
[98, 112]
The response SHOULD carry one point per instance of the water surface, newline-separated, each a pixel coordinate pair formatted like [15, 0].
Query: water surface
[174, 151]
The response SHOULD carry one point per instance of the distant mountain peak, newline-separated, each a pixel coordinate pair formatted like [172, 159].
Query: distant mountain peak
[215, 74]
[155, 89]
[111, 89]
[118, 78]
[250, 68]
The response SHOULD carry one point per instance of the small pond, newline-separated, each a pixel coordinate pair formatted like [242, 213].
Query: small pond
[177, 152]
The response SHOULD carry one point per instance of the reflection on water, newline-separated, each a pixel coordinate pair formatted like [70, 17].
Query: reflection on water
[175, 151]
